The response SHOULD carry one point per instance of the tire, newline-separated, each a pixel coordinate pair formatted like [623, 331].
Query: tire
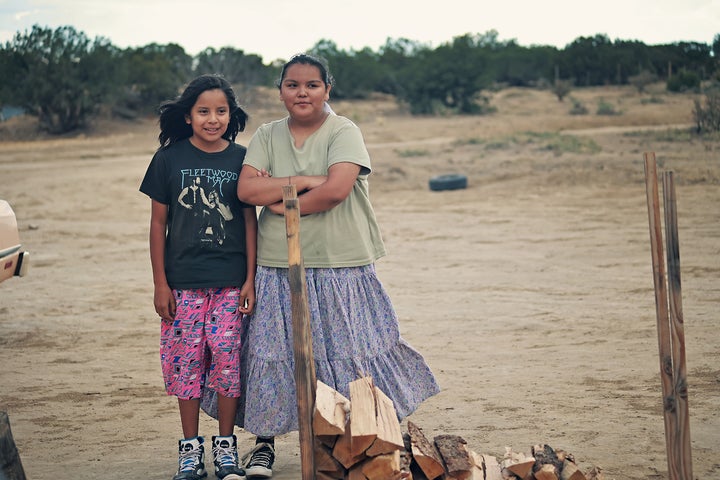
[453, 181]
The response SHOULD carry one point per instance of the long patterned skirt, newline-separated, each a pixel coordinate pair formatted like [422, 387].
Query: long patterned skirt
[355, 333]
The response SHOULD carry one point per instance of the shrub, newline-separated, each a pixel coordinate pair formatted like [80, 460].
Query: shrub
[707, 117]
[683, 81]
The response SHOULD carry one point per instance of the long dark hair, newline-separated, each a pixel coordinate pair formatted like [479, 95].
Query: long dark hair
[173, 127]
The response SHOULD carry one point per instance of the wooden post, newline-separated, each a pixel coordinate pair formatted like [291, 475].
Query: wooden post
[305, 382]
[681, 448]
[665, 336]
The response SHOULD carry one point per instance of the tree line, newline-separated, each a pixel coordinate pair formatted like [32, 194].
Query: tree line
[64, 77]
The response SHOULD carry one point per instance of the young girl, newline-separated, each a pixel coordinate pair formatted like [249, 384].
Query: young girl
[354, 326]
[203, 266]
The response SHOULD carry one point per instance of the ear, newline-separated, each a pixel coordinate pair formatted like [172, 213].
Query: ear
[187, 119]
[327, 92]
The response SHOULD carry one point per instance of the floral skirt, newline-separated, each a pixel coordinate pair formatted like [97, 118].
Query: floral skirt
[355, 333]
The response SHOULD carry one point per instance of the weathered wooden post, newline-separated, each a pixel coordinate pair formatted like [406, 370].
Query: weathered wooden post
[671, 337]
[682, 448]
[10, 465]
[305, 382]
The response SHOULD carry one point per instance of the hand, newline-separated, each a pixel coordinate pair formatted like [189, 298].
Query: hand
[278, 208]
[263, 173]
[247, 298]
[164, 303]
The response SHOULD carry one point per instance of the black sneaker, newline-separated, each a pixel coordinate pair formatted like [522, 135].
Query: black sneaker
[258, 462]
[191, 459]
[225, 458]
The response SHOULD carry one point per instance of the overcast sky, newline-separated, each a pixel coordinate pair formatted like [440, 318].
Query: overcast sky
[279, 28]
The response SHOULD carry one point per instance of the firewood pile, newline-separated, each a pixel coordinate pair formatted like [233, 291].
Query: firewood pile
[361, 439]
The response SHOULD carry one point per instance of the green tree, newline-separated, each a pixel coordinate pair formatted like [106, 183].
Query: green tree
[60, 75]
[234, 65]
[152, 74]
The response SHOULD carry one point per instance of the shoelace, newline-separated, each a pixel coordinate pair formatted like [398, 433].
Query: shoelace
[225, 455]
[189, 460]
[261, 457]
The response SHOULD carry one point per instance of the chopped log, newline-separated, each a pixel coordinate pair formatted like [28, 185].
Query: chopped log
[363, 419]
[517, 464]
[492, 468]
[522, 469]
[382, 467]
[547, 472]
[341, 450]
[326, 463]
[325, 476]
[570, 471]
[389, 436]
[355, 473]
[455, 455]
[425, 455]
[595, 474]
[328, 440]
[331, 409]
[544, 454]
[405, 461]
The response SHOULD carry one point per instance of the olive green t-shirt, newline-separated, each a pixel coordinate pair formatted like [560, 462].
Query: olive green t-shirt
[344, 236]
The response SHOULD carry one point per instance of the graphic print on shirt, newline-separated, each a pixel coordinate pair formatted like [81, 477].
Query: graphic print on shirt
[201, 196]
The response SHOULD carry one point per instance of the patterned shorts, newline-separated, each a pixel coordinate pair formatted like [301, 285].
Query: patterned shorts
[200, 348]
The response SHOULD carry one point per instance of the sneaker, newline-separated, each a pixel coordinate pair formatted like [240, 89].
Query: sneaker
[225, 458]
[258, 462]
[191, 459]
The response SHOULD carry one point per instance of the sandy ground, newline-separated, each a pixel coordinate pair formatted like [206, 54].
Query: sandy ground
[530, 293]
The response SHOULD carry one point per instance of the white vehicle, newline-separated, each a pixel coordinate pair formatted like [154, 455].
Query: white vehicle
[13, 260]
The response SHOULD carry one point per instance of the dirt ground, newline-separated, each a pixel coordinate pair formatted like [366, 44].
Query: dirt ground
[530, 292]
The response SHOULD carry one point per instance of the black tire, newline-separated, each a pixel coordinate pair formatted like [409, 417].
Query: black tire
[453, 181]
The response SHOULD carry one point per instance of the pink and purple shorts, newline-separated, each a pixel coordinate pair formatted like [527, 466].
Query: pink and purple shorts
[201, 347]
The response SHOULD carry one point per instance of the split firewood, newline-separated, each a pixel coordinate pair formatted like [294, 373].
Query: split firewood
[518, 464]
[544, 454]
[363, 418]
[455, 455]
[331, 409]
[382, 467]
[477, 472]
[424, 453]
[491, 467]
[547, 472]
[355, 473]
[595, 474]
[389, 436]
[325, 476]
[341, 450]
[326, 463]
[570, 471]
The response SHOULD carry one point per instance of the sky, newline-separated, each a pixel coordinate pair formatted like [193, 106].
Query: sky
[277, 29]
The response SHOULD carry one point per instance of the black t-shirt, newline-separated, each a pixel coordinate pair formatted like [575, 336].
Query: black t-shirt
[205, 239]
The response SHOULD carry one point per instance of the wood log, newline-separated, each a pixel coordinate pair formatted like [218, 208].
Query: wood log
[492, 468]
[455, 455]
[425, 455]
[331, 410]
[570, 471]
[518, 464]
[389, 435]
[595, 473]
[341, 450]
[547, 472]
[355, 473]
[363, 418]
[10, 465]
[326, 463]
[382, 467]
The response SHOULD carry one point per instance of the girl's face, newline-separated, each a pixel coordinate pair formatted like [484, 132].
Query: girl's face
[209, 119]
[303, 92]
